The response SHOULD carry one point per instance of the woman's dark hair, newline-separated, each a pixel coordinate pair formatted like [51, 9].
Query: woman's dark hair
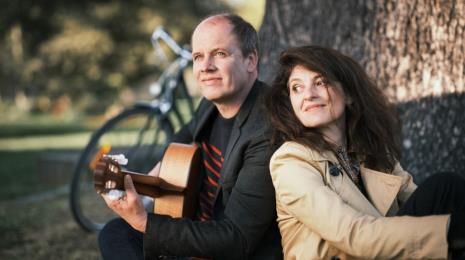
[373, 129]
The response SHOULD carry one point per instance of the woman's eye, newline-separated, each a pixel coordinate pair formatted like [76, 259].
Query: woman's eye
[296, 88]
[320, 83]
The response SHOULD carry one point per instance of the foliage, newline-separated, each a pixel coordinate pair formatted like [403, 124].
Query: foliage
[86, 54]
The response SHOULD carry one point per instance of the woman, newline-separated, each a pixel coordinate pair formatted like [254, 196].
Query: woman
[340, 191]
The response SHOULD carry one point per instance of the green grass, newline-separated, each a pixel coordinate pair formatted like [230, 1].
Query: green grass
[29, 143]
[18, 174]
[37, 125]
[39, 229]
[24, 141]
[23, 129]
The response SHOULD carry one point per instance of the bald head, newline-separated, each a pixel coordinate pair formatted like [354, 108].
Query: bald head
[223, 72]
[242, 30]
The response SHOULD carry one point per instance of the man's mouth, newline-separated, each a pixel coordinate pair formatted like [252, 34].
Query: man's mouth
[212, 79]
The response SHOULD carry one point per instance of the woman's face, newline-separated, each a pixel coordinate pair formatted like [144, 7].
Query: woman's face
[316, 102]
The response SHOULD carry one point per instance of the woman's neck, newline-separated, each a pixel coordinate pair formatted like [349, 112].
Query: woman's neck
[335, 134]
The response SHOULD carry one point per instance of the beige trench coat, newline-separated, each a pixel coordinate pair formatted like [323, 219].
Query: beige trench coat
[322, 216]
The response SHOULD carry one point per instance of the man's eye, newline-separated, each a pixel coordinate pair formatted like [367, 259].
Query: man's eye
[221, 54]
[195, 57]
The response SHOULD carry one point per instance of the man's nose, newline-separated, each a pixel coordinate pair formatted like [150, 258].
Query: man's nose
[208, 64]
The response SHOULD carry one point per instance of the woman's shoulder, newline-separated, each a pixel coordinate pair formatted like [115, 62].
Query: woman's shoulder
[293, 149]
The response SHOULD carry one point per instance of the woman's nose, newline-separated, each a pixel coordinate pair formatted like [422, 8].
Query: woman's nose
[310, 92]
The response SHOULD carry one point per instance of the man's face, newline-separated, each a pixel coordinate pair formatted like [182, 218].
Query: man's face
[221, 71]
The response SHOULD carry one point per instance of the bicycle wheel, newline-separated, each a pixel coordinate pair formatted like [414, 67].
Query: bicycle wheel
[141, 134]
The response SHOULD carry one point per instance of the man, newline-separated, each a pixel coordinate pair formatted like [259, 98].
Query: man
[236, 215]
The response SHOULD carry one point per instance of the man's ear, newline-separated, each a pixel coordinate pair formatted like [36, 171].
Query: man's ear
[252, 59]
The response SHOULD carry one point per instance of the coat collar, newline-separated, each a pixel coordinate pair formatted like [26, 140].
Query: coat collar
[382, 188]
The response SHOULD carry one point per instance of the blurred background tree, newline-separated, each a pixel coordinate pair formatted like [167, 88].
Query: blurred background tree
[413, 49]
[87, 55]
[73, 58]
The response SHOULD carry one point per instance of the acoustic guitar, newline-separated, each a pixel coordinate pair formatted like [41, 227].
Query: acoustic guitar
[174, 190]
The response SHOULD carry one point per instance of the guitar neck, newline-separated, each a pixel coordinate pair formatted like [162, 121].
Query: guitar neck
[175, 188]
[150, 185]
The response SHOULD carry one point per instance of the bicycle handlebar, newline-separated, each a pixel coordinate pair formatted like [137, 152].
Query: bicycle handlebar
[160, 34]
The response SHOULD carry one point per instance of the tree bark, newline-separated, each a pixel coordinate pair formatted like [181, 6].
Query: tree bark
[414, 49]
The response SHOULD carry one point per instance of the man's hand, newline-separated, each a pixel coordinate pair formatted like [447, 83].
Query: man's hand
[129, 207]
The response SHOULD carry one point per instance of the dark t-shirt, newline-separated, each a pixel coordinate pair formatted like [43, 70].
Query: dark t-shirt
[214, 144]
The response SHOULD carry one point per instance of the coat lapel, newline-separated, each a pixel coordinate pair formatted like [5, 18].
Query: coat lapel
[348, 190]
[236, 131]
[203, 119]
[241, 117]
[355, 198]
[382, 188]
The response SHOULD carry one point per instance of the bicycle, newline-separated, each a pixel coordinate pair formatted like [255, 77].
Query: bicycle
[140, 132]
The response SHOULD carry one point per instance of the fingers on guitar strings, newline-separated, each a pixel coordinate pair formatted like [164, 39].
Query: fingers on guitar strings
[110, 184]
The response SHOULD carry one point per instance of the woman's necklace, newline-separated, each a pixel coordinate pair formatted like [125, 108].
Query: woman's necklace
[352, 169]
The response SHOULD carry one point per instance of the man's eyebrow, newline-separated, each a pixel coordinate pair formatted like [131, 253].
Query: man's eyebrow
[220, 49]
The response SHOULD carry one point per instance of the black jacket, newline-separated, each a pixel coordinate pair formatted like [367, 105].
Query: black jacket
[244, 225]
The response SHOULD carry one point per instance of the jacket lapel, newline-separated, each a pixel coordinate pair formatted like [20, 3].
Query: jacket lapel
[203, 119]
[382, 188]
[355, 198]
[241, 117]
[349, 192]
[244, 112]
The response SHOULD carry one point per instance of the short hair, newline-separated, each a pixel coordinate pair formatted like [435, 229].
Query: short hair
[245, 33]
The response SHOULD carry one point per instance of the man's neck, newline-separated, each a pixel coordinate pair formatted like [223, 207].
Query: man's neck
[229, 109]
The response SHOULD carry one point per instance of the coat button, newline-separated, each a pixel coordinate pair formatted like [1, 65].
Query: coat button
[334, 170]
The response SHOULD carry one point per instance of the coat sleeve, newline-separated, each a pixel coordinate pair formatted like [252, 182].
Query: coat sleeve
[248, 215]
[302, 192]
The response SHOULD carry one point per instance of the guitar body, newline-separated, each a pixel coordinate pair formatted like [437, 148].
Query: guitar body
[180, 167]
[175, 190]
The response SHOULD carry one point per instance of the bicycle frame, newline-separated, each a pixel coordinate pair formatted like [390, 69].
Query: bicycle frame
[155, 119]
[172, 78]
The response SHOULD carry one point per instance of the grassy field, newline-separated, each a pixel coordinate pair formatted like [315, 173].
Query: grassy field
[34, 226]
[35, 218]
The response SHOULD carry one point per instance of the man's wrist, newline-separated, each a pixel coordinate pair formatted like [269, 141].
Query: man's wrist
[141, 223]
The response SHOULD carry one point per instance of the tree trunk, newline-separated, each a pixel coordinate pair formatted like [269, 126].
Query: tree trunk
[413, 49]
